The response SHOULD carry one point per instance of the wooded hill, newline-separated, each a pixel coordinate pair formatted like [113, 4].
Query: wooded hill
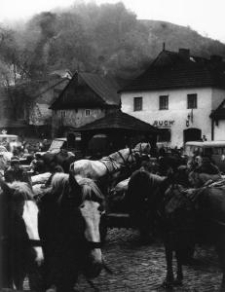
[87, 37]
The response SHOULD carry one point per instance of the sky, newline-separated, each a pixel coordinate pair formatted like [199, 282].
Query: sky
[205, 16]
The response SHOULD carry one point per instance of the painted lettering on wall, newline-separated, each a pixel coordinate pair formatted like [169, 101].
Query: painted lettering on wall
[165, 123]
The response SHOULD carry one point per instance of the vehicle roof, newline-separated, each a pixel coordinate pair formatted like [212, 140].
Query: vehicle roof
[8, 135]
[60, 139]
[205, 143]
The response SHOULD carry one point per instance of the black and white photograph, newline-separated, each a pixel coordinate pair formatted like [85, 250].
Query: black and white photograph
[112, 145]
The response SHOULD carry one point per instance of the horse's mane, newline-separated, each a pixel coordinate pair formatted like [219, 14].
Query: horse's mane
[90, 190]
[59, 180]
[112, 157]
[22, 188]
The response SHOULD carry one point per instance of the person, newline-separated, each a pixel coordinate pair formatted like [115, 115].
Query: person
[207, 165]
[165, 167]
[15, 172]
[37, 165]
[12, 145]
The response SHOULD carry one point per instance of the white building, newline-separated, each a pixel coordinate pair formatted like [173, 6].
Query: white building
[179, 94]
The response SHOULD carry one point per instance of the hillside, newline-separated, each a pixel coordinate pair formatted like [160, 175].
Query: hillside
[108, 39]
[176, 36]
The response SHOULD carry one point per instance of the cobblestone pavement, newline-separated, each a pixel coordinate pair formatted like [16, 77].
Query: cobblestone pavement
[142, 267]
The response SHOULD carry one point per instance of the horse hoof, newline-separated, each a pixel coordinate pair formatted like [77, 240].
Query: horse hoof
[167, 284]
[178, 283]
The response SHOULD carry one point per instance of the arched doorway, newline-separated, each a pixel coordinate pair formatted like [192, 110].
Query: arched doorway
[192, 134]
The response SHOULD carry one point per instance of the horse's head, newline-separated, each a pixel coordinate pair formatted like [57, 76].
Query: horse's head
[143, 148]
[145, 191]
[86, 201]
[22, 214]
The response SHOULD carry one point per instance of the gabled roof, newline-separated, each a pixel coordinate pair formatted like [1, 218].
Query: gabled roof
[174, 70]
[219, 113]
[118, 120]
[88, 90]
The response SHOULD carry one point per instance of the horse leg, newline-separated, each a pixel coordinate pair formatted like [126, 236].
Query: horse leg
[18, 281]
[169, 261]
[220, 248]
[222, 287]
[179, 279]
[35, 278]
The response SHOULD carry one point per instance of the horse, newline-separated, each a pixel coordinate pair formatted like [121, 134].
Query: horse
[20, 248]
[141, 205]
[63, 158]
[111, 166]
[69, 226]
[186, 216]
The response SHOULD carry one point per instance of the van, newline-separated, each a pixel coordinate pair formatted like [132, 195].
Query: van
[215, 149]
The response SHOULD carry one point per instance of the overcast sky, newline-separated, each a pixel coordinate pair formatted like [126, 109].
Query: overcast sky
[205, 16]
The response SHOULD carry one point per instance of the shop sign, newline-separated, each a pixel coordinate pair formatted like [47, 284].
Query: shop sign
[163, 123]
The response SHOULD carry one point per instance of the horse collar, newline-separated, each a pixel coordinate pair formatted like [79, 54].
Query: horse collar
[93, 245]
[34, 242]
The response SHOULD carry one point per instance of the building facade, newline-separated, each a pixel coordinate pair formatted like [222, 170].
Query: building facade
[86, 98]
[178, 94]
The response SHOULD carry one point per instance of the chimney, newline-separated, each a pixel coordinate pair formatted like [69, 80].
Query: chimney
[185, 53]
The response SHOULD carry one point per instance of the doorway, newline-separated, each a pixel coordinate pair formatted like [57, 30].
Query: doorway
[192, 134]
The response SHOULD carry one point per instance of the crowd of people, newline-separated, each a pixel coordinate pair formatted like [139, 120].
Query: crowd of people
[22, 164]
[163, 163]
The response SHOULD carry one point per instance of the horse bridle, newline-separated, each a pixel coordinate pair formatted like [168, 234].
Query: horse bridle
[93, 245]
[132, 153]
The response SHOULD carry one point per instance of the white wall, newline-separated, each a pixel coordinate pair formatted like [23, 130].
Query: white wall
[79, 118]
[207, 99]
[218, 97]
[219, 130]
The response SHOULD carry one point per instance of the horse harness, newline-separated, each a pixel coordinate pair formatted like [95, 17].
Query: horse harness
[132, 153]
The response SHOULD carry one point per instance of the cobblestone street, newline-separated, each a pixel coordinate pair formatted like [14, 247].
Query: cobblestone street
[142, 268]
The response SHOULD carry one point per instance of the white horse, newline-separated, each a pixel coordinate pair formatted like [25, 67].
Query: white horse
[110, 165]
[20, 247]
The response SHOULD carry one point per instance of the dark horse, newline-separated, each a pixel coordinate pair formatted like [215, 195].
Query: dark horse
[62, 158]
[186, 216]
[69, 226]
[20, 250]
[140, 205]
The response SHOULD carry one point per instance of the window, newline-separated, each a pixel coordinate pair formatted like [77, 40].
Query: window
[164, 135]
[138, 103]
[163, 102]
[87, 112]
[192, 101]
[63, 114]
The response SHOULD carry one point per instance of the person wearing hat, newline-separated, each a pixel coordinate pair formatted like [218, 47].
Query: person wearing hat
[16, 173]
